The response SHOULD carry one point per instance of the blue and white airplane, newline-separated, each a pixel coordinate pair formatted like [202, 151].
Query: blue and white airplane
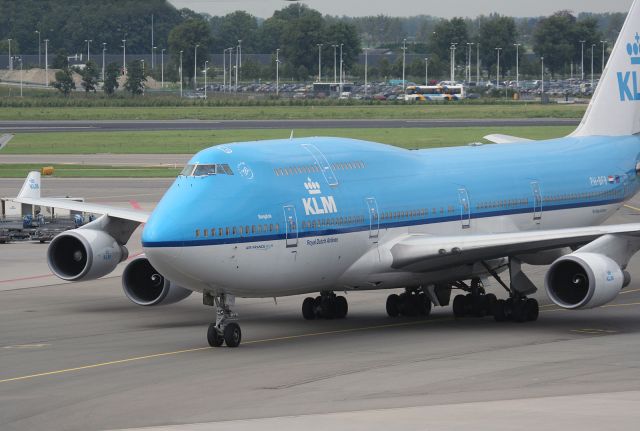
[301, 216]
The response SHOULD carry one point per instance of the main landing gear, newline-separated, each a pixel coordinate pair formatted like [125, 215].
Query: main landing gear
[225, 330]
[413, 302]
[478, 303]
[326, 306]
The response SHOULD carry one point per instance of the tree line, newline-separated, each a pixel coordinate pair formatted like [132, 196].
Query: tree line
[297, 31]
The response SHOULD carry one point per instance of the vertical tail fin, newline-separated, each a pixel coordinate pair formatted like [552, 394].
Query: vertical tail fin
[615, 107]
[31, 186]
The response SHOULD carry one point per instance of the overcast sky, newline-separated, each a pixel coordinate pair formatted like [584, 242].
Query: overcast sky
[443, 8]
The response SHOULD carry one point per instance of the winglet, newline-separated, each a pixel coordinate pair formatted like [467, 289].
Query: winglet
[31, 186]
[4, 139]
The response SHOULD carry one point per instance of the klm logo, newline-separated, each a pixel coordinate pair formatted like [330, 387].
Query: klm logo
[316, 204]
[628, 81]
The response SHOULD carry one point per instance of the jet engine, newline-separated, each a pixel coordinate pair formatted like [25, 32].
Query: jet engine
[584, 280]
[84, 254]
[145, 286]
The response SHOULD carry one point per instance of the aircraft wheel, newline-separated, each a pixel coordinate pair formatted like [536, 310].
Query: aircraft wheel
[341, 307]
[232, 335]
[532, 309]
[213, 337]
[308, 309]
[459, 306]
[392, 305]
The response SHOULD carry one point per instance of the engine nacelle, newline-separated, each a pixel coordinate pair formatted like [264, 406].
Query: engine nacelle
[84, 254]
[584, 280]
[145, 286]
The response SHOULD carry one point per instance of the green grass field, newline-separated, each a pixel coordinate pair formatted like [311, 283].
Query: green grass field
[400, 111]
[88, 171]
[186, 142]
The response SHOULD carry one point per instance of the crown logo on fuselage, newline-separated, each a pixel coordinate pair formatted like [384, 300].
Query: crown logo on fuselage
[313, 187]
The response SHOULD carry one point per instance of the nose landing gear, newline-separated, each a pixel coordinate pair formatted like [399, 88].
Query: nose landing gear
[225, 330]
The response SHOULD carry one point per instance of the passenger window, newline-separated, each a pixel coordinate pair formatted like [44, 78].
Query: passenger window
[234, 230]
[277, 227]
[213, 232]
[227, 230]
[205, 232]
[197, 233]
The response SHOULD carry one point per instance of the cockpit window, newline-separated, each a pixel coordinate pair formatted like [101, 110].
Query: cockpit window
[202, 170]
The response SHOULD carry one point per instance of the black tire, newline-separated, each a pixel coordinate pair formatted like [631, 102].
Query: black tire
[317, 307]
[342, 307]
[214, 339]
[393, 301]
[519, 311]
[499, 313]
[308, 309]
[532, 309]
[490, 301]
[232, 335]
[409, 305]
[459, 306]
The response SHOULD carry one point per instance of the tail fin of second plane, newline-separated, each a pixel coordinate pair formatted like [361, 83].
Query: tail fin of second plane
[615, 107]
[31, 186]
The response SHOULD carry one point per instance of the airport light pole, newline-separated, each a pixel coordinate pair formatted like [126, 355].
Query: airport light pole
[366, 69]
[498, 69]
[10, 59]
[88, 42]
[468, 74]
[240, 53]
[542, 75]
[153, 63]
[237, 65]
[335, 62]
[404, 61]
[162, 67]
[205, 78]
[277, 72]
[319, 62]
[195, 68]
[46, 62]
[582, 42]
[104, 50]
[39, 63]
[224, 70]
[20, 58]
[517, 45]
[477, 63]
[341, 45]
[181, 73]
[593, 45]
[603, 42]
[230, 68]
[142, 61]
[153, 57]
[453, 61]
[124, 56]
[426, 71]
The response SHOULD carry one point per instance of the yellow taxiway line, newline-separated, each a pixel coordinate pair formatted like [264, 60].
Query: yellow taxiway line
[198, 349]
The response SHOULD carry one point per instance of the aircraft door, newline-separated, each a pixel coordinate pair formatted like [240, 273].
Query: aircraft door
[323, 164]
[537, 201]
[374, 218]
[290, 225]
[465, 208]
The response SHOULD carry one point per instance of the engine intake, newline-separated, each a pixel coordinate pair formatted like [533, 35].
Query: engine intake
[145, 286]
[584, 280]
[84, 254]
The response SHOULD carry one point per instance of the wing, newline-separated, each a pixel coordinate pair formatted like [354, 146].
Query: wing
[118, 222]
[420, 253]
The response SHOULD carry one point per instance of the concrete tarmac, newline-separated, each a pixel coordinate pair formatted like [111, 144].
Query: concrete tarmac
[16, 126]
[79, 356]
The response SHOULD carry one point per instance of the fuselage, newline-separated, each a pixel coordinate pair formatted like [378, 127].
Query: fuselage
[285, 217]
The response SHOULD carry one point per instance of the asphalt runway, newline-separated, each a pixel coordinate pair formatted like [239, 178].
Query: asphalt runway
[81, 357]
[130, 125]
